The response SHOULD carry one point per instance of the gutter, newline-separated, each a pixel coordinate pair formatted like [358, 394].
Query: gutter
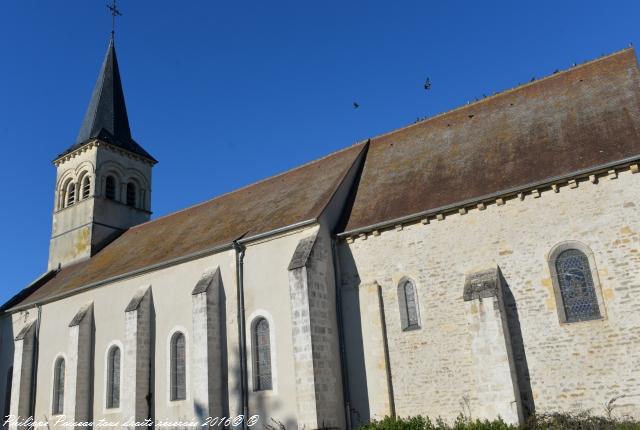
[492, 196]
[34, 367]
[242, 339]
[151, 268]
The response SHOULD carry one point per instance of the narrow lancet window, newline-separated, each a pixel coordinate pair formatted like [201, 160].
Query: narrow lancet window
[113, 378]
[178, 367]
[408, 300]
[262, 355]
[58, 387]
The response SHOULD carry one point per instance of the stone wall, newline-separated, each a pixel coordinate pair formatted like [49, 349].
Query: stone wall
[562, 366]
[315, 334]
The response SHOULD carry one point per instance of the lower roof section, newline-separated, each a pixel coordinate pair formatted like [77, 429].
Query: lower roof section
[285, 200]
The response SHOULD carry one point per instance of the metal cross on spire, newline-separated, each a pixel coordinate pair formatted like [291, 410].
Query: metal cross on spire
[113, 7]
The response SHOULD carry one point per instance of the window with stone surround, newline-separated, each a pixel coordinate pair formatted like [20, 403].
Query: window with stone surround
[71, 194]
[113, 378]
[86, 187]
[110, 188]
[131, 194]
[576, 283]
[408, 301]
[57, 405]
[178, 369]
[262, 379]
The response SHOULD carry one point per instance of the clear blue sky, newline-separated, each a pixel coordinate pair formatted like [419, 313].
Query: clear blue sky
[224, 93]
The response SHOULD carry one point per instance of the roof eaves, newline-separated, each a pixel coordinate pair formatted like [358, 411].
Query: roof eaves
[483, 198]
[162, 265]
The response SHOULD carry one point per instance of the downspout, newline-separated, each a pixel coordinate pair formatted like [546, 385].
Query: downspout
[343, 356]
[242, 339]
[34, 367]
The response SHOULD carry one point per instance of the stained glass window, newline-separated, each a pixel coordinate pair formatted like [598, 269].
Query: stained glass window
[576, 286]
[262, 351]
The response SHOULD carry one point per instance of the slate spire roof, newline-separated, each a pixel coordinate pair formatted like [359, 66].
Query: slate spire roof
[106, 117]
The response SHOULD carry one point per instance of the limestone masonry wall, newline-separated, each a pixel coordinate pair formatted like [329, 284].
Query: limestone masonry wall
[560, 366]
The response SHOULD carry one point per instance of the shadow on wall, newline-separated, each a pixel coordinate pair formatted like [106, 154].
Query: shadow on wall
[517, 346]
[359, 412]
[92, 365]
[151, 404]
[200, 410]
[7, 335]
[353, 342]
[259, 403]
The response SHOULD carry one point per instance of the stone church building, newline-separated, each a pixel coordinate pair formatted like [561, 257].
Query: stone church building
[484, 261]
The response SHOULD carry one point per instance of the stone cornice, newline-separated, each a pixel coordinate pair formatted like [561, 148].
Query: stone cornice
[96, 143]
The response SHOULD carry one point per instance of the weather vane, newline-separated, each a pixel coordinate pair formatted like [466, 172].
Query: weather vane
[113, 7]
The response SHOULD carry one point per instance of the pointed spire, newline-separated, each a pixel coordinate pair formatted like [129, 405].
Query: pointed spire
[106, 117]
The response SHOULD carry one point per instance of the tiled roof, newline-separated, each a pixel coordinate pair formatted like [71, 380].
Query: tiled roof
[295, 196]
[583, 117]
[571, 121]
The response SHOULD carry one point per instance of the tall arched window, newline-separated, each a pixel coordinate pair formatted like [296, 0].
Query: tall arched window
[113, 378]
[110, 188]
[262, 355]
[57, 406]
[86, 187]
[408, 301]
[178, 367]
[131, 194]
[71, 193]
[577, 289]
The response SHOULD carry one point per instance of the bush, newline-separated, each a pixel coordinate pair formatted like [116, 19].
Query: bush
[582, 421]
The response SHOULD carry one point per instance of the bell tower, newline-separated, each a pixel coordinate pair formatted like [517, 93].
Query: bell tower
[103, 181]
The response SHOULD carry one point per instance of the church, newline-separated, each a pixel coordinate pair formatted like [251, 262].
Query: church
[484, 261]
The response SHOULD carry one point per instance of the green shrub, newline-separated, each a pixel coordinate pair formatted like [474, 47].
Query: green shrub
[581, 421]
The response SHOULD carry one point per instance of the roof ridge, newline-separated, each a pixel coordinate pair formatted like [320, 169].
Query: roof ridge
[293, 169]
[505, 92]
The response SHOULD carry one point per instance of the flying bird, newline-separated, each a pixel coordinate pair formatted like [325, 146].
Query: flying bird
[356, 105]
[427, 84]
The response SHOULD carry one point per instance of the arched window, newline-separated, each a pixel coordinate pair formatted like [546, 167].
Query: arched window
[86, 187]
[110, 188]
[577, 289]
[113, 378]
[262, 355]
[408, 300]
[58, 387]
[178, 367]
[71, 193]
[131, 194]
